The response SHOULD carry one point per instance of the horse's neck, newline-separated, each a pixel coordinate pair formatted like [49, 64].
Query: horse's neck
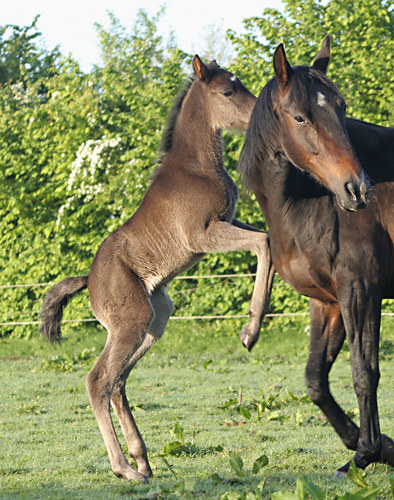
[279, 188]
[275, 185]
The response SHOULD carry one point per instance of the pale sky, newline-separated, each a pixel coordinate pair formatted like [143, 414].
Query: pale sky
[70, 23]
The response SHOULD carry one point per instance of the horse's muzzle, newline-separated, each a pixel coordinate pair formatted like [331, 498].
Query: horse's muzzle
[355, 195]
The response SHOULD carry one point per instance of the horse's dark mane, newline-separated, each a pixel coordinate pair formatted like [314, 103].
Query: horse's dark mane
[262, 137]
[167, 137]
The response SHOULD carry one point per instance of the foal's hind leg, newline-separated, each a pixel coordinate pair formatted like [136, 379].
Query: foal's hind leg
[127, 318]
[162, 308]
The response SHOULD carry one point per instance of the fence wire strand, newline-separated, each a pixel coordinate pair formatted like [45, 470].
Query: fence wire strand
[185, 318]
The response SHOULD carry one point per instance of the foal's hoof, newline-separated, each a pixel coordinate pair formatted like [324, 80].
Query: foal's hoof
[137, 476]
[132, 475]
[248, 340]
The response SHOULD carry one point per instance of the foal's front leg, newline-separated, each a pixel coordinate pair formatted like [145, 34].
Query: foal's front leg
[261, 296]
[227, 237]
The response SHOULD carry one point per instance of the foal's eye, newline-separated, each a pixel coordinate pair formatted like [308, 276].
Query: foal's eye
[299, 119]
[228, 93]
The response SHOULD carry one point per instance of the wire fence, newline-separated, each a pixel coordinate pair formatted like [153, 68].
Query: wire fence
[185, 318]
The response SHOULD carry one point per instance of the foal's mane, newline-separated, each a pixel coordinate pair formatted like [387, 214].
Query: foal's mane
[211, 70]
[263, 134]
[168, 134]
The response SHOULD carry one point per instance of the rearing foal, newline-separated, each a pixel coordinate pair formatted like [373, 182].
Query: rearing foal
[187, 212]
[310, 185]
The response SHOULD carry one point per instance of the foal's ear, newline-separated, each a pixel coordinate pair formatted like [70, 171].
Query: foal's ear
[214, 64]
[199, 68]
[282, 68]
[323, 57]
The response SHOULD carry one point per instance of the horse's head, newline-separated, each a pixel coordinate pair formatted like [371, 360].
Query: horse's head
[312, 122]
[227, 101]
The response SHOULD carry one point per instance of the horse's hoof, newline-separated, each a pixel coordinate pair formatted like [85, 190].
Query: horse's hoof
[342, 471]
[387, 450]
[247, 340]
[340, 474]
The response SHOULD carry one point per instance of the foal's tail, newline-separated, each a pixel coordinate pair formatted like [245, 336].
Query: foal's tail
[55, 301]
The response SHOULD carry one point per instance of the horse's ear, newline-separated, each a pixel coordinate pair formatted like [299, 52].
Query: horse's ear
[323, 57]
[282, 68]
[199, 68]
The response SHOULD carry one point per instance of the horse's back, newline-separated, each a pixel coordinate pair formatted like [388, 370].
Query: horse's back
[374, 146]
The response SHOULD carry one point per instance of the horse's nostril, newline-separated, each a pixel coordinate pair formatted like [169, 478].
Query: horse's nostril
[350, 190]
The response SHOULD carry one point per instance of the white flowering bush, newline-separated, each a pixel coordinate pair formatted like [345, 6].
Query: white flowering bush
[89, 171]
[77, 151]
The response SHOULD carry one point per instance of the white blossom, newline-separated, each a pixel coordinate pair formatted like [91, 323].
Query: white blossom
[92, 158]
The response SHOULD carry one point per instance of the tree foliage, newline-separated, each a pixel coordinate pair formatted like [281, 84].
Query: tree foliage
[362, 46]
[22, 56]
[77, 150]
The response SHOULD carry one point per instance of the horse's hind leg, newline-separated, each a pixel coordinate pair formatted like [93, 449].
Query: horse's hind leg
[127, 322]
[162, 308]
[326, 339]
[327, 336]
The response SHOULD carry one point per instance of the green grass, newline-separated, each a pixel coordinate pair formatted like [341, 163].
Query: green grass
[199, 387]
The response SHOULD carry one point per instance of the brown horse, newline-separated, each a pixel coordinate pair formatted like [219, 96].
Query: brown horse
[187, 211]
[310, 183]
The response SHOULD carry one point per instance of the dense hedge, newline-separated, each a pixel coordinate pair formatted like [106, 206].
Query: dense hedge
[77, 150]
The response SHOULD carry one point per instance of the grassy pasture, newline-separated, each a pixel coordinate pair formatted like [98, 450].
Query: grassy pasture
[202, 403]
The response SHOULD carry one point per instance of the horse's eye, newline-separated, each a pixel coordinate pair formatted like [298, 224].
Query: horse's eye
[228, 93]
[299, 119]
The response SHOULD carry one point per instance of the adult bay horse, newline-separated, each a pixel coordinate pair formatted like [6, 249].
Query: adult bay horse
[187, 211]
[310, 184]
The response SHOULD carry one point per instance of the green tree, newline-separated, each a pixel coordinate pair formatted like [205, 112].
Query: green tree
[38, 139]
[23, 55]
[362, 46]
[77, 150]
[361, 65]
[76, 160]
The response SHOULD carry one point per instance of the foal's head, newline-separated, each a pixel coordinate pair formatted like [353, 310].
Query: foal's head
[311, 117]
[227, 103]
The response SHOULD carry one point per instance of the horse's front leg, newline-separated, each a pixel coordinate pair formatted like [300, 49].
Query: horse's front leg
[361, 310]
[227, 237]
[326, 339]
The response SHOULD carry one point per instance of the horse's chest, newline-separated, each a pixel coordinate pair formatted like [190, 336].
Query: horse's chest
[305, 273]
